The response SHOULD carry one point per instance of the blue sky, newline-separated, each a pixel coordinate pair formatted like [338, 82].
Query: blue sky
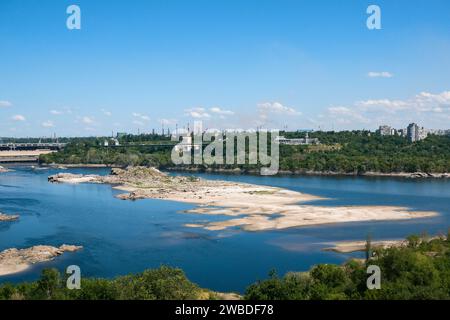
[233, 64]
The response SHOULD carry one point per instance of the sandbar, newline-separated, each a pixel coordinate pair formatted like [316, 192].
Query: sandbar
[250, 207]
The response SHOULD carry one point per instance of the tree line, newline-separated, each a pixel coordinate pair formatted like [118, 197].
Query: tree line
[349, 152]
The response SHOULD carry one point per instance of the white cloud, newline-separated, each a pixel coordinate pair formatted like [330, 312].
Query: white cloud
[87, 120]
[276, 107]
[220, 111]
[273, 114]
[441, 98]
[211, 113]
[430, 109]
[48, 124]
[63, 110]
[389, 105]
[68, 110]
[5, 104]
[383, 74]
[139, 123]
[347, 115]
[18, 117]
[422, 102]
[339, 110]
[198, 113]
[141, 116]
[106, 112]
[167, 122]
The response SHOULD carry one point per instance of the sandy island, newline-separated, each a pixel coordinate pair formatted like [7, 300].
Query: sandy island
[18, 260]
[360, 245]
[8, 217]
[250, 207]
[354, 246]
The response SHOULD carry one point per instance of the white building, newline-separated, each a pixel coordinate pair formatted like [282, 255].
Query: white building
[300, 141]
[385, 130]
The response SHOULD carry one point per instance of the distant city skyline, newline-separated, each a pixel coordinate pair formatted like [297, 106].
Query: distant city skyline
[248, 64]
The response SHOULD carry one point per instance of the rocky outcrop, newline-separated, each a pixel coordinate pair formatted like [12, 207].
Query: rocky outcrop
[7, 217]
[429, 175]
[73, 178]
[149, 179]
[3, 169]
[133, 174]
[17, 260]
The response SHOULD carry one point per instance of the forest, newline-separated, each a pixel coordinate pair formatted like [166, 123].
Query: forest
[349, 152]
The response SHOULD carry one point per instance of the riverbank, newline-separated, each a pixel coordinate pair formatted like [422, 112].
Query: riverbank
[238, 171]
[79, 165]
[360, 245]
[18, 260]
[248, 206]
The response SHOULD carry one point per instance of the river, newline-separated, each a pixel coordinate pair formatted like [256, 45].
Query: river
[121, 237]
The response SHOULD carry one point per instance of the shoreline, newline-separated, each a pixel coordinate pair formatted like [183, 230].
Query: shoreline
[351, 246]
[249, 207]
[360, 245]
[79, 165]
[238, 171]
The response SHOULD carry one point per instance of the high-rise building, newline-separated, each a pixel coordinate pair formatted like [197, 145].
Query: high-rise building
[416, 133]
[385, 130]
[423, 133]
[413, 132]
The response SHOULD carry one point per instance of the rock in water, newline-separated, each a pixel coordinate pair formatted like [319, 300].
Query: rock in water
[17, 260]
[3, 169]
[7, 217]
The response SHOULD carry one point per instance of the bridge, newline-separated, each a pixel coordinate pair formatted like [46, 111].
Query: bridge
[32, 146]
[26, 152]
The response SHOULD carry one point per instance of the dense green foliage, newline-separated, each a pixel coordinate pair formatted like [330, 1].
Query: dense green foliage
[159, 284]
[360, 152]
[91, 151]
[419, 271]
[341, 152]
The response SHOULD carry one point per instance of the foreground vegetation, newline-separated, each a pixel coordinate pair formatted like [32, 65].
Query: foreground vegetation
[420, 270]
[164, 283]
[354, 152]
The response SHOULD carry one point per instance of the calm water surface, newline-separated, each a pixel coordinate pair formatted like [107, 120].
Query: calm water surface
[120, 237]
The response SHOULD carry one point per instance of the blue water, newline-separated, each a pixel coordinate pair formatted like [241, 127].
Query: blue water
[120, 237]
